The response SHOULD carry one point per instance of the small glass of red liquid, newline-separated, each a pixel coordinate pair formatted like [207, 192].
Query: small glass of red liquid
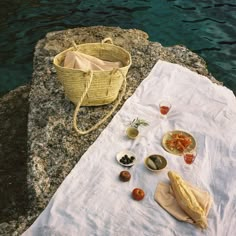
[189, 157]
[164, 107]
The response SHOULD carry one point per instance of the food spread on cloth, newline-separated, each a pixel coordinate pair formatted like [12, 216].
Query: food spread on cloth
[187, 205]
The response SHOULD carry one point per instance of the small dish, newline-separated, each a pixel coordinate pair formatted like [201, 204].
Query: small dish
[132, 132]
[155, 162]
[126, 158]
[170, 142]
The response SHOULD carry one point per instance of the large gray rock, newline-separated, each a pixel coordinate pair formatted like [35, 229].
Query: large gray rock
[13, 158]
[53, 145]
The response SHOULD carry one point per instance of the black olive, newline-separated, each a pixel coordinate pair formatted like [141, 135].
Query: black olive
[126, 159]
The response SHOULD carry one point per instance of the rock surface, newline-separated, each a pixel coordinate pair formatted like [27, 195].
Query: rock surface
[53, 145]
[13, 159]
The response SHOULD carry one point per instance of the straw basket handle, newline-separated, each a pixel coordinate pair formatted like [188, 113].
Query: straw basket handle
[107, 40]
[79, 131]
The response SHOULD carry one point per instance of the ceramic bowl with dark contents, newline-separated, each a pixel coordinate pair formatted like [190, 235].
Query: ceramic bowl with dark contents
[126, 158]
[155, 162]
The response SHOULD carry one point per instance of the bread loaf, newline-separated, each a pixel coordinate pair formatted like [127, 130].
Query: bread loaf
[187, 200]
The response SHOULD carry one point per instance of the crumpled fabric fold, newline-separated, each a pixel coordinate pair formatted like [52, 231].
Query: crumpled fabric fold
[79, 60]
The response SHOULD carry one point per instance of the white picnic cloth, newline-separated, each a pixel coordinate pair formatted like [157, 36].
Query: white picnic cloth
[93, 201]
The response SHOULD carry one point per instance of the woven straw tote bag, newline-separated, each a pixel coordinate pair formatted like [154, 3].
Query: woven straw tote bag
[94, 87]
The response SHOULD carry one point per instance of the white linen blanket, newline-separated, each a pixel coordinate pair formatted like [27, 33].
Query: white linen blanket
[93, 201]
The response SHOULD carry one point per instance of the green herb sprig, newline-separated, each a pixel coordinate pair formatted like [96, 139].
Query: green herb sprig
[138, 122]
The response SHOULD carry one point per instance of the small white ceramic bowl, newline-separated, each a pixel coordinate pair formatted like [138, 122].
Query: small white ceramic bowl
[124, 155]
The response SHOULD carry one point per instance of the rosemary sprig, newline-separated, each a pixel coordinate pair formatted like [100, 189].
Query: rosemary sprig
[138, 122]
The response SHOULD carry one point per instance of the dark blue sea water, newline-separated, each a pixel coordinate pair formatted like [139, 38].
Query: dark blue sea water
[204, 26]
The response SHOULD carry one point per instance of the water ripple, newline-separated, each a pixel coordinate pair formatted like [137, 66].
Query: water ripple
[229, 43]
[207, 49]
[204, 19]
[224, 4]
[130, 10]
[185, 8]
